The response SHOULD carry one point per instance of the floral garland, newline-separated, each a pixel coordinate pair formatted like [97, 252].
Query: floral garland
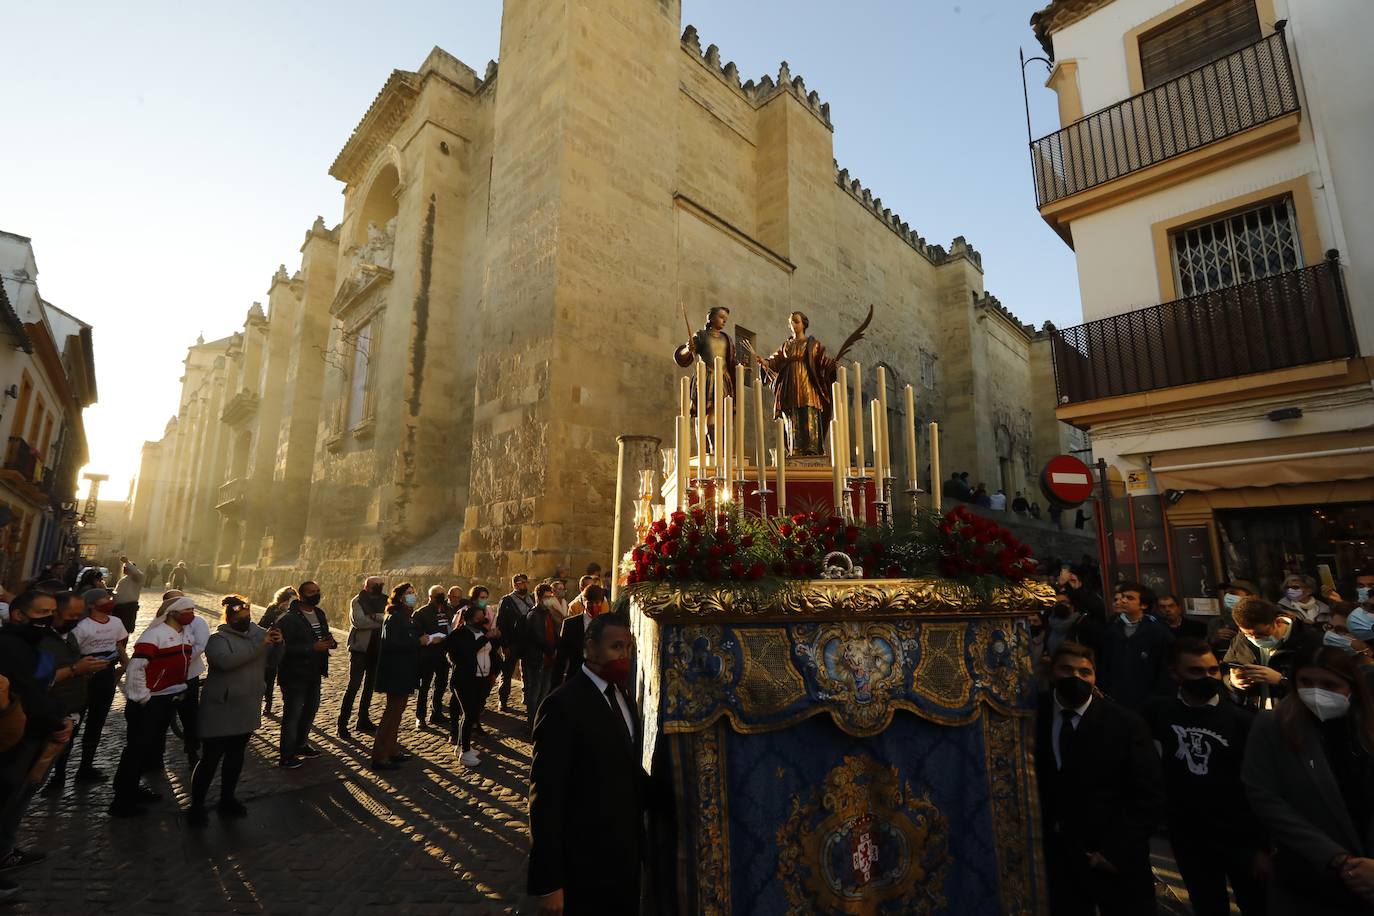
[740, 547]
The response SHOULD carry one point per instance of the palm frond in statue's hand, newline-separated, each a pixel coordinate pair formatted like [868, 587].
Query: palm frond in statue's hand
[857, 336]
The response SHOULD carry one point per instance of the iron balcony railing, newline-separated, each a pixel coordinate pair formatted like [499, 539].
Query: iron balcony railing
[1290, 319]
[1242, 90]
[23, 459]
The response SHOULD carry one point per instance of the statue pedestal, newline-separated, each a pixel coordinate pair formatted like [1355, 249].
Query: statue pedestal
[809, 489]
[845, 747]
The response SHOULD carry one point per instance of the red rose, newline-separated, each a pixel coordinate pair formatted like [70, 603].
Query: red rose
[785, 530]
[673, 532]
[746, 542]
[979, 550]
[665, 549]
[661, 526]
[802, 537]
[713, 569]
[678, 515]
[660, 571]
[851, 534]
[737, 569]
[757, 570]
[691, 553]
[714, 552]
[722, 519]
[798, 570]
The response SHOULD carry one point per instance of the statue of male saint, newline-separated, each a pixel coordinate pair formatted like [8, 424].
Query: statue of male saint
[706, 344]
[801, 373]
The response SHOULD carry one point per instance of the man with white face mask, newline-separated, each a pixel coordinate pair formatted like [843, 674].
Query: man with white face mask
[1307, 773]
[1222, 629]
[1259, 662]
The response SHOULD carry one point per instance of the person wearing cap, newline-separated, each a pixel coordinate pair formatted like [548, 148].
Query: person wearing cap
[155, 676]
[100, 635]
[1300, 600]
[1222, 628]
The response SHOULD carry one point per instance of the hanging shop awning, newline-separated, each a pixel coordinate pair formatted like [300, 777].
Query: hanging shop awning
[1272, 462]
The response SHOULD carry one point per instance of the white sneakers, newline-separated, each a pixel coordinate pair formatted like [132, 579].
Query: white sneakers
[469, 759]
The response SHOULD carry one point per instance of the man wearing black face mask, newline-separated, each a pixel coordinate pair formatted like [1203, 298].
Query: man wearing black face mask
[31, 671]
[1201, 735]
[365, 616]
[72, 675]
[304, 663]
[1100, 793]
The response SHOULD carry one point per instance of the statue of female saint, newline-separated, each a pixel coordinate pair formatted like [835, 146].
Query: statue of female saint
[801, 373]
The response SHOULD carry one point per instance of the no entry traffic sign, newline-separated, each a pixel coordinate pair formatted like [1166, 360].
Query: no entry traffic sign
[1066, 481]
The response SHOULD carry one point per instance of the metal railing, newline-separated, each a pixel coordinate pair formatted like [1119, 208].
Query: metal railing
[1242, 90]
[1290, 319]
[23, 458]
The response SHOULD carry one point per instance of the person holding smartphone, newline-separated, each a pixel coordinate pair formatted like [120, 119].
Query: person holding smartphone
[1259, 662]
[100, 635]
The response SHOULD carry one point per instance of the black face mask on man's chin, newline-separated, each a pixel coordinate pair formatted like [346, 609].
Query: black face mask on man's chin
[310, 600]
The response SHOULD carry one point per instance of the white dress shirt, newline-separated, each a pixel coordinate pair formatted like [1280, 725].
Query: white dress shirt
[1058, 725]
[601, 685]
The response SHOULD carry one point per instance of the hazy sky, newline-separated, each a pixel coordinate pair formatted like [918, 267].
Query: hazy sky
[166, 157]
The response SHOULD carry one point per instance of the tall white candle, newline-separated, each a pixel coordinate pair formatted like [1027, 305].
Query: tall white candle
[760, 453]
[936, 481]
[725, 427]
[837, 435]
[875, 410]
[882, 399]
[836, 466]
[842, 414]
[738, 440]
[684, 434]
[909, 427]
[859, 420]
[782, 466]
[717, 393]
[701, 419]
[684, 397]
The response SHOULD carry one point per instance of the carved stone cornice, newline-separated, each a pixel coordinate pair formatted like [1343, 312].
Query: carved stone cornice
[365, 279]
[391, 106]
[870, 599]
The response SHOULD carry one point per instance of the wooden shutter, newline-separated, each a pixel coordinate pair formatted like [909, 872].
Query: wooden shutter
[1199, 36]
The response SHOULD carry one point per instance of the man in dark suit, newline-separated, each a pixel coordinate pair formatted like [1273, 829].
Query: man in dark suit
[586, 797]
[567, 654]
[1101, 794]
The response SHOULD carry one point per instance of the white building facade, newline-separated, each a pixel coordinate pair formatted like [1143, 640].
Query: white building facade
[1211, 174]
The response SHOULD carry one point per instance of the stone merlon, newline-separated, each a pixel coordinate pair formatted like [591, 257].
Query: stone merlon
[757, 93]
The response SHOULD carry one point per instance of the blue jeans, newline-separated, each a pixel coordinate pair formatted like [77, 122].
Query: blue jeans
[300, 700]
[537, 681]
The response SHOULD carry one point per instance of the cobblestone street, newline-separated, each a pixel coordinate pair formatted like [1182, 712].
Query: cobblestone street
[329, 838]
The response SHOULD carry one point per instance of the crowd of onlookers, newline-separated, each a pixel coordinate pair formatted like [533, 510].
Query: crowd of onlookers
[67, 646]
[1247, 738]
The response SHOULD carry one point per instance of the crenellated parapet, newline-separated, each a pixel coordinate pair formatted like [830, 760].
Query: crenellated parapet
[319, 230]
[991, 303]
[489, 77]
[759, 92]
[936, 254]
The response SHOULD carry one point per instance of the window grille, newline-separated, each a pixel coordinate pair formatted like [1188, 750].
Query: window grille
[1250, 245]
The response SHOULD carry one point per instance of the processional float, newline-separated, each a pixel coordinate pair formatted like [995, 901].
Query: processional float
[838, 698]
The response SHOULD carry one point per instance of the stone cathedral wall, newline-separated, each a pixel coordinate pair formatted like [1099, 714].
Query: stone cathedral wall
[523, 245]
